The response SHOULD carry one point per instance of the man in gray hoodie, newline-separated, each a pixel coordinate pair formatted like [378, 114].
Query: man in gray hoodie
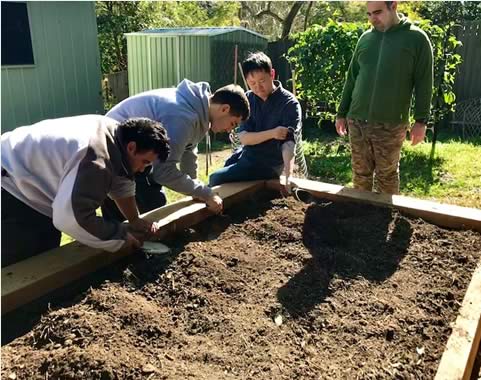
[186, 112]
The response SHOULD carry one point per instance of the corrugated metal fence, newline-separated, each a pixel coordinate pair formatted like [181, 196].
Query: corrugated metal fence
[468, 80]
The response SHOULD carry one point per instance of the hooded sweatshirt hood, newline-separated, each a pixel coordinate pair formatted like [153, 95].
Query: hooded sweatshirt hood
[184, 113]
[189, 103]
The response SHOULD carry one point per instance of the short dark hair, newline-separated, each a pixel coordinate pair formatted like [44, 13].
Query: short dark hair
[389, 4]
[234, 96]
[257, 61]
[147, 134]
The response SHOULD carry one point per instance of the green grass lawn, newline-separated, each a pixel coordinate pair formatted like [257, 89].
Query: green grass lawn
[452, 176]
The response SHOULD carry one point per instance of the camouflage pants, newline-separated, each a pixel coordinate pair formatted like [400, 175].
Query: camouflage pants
[376, 149]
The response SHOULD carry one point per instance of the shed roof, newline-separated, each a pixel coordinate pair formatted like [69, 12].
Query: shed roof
[202, 31]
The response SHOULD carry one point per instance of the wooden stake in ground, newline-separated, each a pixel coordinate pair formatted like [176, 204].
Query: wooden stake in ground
[293, 74]
[235, 64]
[243, 77]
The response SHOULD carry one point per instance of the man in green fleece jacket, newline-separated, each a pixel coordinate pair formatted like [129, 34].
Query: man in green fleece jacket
[390, 61]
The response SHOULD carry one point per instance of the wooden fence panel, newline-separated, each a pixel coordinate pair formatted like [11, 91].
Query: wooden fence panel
[468, 80]
[119, 85]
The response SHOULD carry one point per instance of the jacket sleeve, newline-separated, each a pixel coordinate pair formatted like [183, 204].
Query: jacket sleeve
[292, 116]
[248, 126]
[423, 79]
[122, 187]
[76, 202]
[188, 162]
[351, 76]
[167, 174]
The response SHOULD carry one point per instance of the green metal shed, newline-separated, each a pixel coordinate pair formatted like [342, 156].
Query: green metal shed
[50, 61]
[160, 58]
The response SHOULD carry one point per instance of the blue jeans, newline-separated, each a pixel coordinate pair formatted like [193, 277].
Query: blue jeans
[242, 170]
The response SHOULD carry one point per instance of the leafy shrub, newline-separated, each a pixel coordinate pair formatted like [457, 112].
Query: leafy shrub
[321, 57]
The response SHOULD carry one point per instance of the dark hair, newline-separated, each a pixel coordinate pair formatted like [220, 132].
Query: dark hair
[147, 134]
[234, 96]
[389, 4]
[257, 61]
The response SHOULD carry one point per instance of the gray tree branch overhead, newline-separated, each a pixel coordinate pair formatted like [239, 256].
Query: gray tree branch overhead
[256, 11]
[289, 20]
[268, 12]
[306, 18]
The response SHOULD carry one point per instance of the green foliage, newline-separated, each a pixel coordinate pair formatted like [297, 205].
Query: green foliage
[445, 12]
[446, 63]
[321, 57]
[114, 18]
[342, 11]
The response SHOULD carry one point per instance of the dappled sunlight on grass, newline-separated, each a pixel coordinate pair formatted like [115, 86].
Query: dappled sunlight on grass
[452, 176]
[329, 162]
[417, 172]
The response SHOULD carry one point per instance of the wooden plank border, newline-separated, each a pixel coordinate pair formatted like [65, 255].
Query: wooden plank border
[460, 353]
[29, 279]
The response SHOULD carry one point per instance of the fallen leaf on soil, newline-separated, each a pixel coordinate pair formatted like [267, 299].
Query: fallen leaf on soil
[278, 320]
[149, 368]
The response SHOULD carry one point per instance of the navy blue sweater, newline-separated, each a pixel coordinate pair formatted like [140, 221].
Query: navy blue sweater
[280, 109]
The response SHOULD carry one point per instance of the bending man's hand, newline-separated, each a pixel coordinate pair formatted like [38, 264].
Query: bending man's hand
[142, 227]
[215, 204]
[131, 244]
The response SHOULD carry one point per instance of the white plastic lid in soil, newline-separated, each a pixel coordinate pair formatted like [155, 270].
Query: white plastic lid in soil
[154, 248]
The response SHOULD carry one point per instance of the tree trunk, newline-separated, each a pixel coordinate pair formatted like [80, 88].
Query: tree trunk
[306, 18]
[289, 20]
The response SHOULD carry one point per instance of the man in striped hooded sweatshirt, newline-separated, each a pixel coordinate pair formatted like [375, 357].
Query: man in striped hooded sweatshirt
[56, 173]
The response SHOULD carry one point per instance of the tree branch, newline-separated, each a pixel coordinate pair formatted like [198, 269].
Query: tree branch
[267, 12]
[308, 10]
[289, 20]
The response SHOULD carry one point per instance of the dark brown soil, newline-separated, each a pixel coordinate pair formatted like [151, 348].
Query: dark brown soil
[273, 290]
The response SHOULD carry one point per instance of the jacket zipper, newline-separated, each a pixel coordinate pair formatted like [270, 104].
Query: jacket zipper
[369, 115]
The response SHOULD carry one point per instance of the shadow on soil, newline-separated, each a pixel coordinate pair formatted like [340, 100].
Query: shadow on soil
[346, 241]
